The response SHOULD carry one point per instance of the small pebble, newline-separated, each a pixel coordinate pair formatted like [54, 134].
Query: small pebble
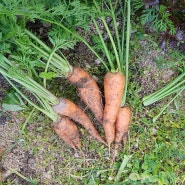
[154, 131]
[179, 35]
[47, 175]
[46, 25]
[110, 178]
[95, 78]
[162, 45]
[97, 61]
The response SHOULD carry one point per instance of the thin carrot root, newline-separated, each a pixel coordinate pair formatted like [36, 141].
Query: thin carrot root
[113, 90]
[69, 109]
[88, 91]
[68, 127]
[122, 128]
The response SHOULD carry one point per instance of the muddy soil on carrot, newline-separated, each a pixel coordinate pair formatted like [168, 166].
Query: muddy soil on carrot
[38, 154]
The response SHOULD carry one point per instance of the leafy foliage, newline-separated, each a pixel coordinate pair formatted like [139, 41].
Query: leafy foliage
[61, 40]
[48, 75]
[159, 18]
[13, 102]
[136, 5]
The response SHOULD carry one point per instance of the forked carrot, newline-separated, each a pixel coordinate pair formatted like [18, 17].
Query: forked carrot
[68, 129]
[122, 127]
[71, 110]
[113, 91]
[88, 91]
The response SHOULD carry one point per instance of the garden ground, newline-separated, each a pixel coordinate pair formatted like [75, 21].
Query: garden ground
[156, 150]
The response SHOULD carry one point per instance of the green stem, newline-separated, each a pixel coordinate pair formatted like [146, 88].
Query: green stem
[51, 115]
[110, 37]
[165, 88]
[78, 37]
[23, 177]
[62, 64]
[104, 46]
[121, 168]
[127, 53]
[47, 65]
[113, 44]
[161, 96]
[58, 66]
[45, 97]
[116, 32]
[39, 90]
[156, 117]
[27, 119]
[123, 32]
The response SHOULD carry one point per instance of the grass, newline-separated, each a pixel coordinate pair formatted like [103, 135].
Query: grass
[160, 161]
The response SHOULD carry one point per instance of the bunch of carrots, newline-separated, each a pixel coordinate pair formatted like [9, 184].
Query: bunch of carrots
[115, 119]
[114, 115]
[110, 115]
[65, 113]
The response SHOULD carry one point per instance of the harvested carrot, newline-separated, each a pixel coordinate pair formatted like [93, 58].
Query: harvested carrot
[69, 129]
[88, 91]
[68, 108]
[113, 91]
[122, 127]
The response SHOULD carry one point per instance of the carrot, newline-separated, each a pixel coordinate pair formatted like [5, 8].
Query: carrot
[60, 132]
[88, 91]
[68, 108]
[66, 127]
[122, 127]
[113, 91]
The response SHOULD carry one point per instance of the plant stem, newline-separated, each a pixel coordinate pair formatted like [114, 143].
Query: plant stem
[165, 94]
[45, 97]
[57, 61]
[23, 177]
[104, 46]
[127, 53]
[123, 32]
[27, 119]
[80, 38]
[116, 32]
[156, 117]
[172, 87]
[165, 88]
[113, 44]
[51, 115]
[122, 167]
[47, 65]
[17, 75]
[110, 37]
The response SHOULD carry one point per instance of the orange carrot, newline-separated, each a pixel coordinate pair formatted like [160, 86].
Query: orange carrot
[66, 127]
[64, 137]
[88, 91]
[113, 91]
[122, 127]
[68, 108]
